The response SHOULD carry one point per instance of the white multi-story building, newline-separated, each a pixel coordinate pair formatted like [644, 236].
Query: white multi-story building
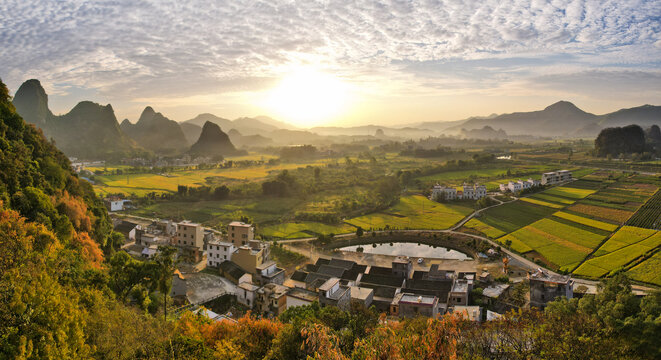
[556, 177]
[519, 185]
[447, 193]
[472, 192]
[219, 251]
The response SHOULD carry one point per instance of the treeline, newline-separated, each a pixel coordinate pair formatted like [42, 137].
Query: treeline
[428, 153]
[632, 139]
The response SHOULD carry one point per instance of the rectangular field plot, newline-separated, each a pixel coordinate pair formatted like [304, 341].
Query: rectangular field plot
[559, 243]
[593, 211]
[553, 199]
[304, 229]
[415, 212]
[623, 256]
[627, 235]
[514, 215]
[485, 229]
[585, 184]
[542, 203]
[568, 192]
[585, 221]
[649, 215]
[648, 270]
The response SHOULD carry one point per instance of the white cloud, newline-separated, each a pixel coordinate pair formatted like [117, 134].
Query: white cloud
[129, 49]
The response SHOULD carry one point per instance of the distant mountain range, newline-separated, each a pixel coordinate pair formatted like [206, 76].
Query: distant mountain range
[562, 119]
[91, 130]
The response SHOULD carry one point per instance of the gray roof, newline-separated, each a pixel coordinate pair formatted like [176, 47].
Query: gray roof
[331, 270]
[382, 280]
[494, 291]
[345, 264]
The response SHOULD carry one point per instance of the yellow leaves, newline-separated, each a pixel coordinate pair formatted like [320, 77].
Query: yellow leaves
[90, 250]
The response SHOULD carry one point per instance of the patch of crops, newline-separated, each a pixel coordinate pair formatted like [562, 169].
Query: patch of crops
[586, 221]
[542, 203]
[649, 215]
[648, 270]
[514, 215]
[617, 215]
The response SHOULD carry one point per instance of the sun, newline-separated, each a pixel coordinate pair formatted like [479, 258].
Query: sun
[308, 98]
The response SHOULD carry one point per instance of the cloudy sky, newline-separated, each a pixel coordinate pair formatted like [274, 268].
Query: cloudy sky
[343, 62]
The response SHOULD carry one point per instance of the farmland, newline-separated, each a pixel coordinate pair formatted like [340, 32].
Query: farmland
[649, 215]
[648, 270]
[416, 212]
[600, 212]
[586, 221]
[605, 264]
[569, 192]
[483, 228]
[542, 203]
[304, 229]
[514, 215]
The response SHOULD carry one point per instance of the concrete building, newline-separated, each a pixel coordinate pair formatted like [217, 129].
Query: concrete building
[362, 296]
[546, 287]
[412, 305]
[402, 267]
[116, 204]
[460, 292]
[300, 297]
[470, 192]
[250, 256]
[556, 177]
[219, 251]
[443, 193]
[271, 300]
[240, 233]
[333, 293]
[269, 273]
[246, 293]
[189, 234]
[179, 287]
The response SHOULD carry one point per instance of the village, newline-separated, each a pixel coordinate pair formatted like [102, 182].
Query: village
[235, 264]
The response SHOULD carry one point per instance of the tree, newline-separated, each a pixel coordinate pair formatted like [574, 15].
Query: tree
[163, 268]
[359, 232]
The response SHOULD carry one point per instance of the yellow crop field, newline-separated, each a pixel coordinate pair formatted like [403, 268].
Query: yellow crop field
[415, 212]
[542, 203]
[304, 229]
[617, 215]
[486, 229]
[572, 193]
[585, 221]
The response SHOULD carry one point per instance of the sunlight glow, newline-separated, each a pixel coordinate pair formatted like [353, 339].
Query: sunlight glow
[308, 98]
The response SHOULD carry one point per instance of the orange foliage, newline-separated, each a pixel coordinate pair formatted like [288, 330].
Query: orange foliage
[90, 250]
[20, 240]
[76, 210]
[252, 337]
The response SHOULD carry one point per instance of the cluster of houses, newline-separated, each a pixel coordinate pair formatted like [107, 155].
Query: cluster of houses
[549, 178]
[472, 192]
[260, 284]
[115, 203]
[398, 290]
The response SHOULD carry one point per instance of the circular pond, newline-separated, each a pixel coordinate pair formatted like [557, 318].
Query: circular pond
[412, 250]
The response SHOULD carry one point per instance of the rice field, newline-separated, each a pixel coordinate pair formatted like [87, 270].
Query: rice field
[586, 221]
[542, 203]
[601, 212]
[304, 229]
[485, 229]
[648, 270]
[627, 235]
[553, 199]
[649, 215]
[569, 192]
[561, 244]
[605, 264]
[414, 212]
[514, 215]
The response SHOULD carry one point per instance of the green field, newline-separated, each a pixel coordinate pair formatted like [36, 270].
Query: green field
[485, 229]
[603, 265]
[141, 184]
[304, 229]
[553, 199]
[212, 213]
[627, 235]
[561, 244]
[586, 221]
[542, 203]
[569, 192]
[515, 215]
[648, 270]
[414, 212]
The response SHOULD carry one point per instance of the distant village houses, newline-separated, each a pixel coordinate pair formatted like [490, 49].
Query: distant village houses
[470, 192]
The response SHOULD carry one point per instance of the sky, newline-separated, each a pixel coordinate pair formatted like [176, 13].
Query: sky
[335, 62]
